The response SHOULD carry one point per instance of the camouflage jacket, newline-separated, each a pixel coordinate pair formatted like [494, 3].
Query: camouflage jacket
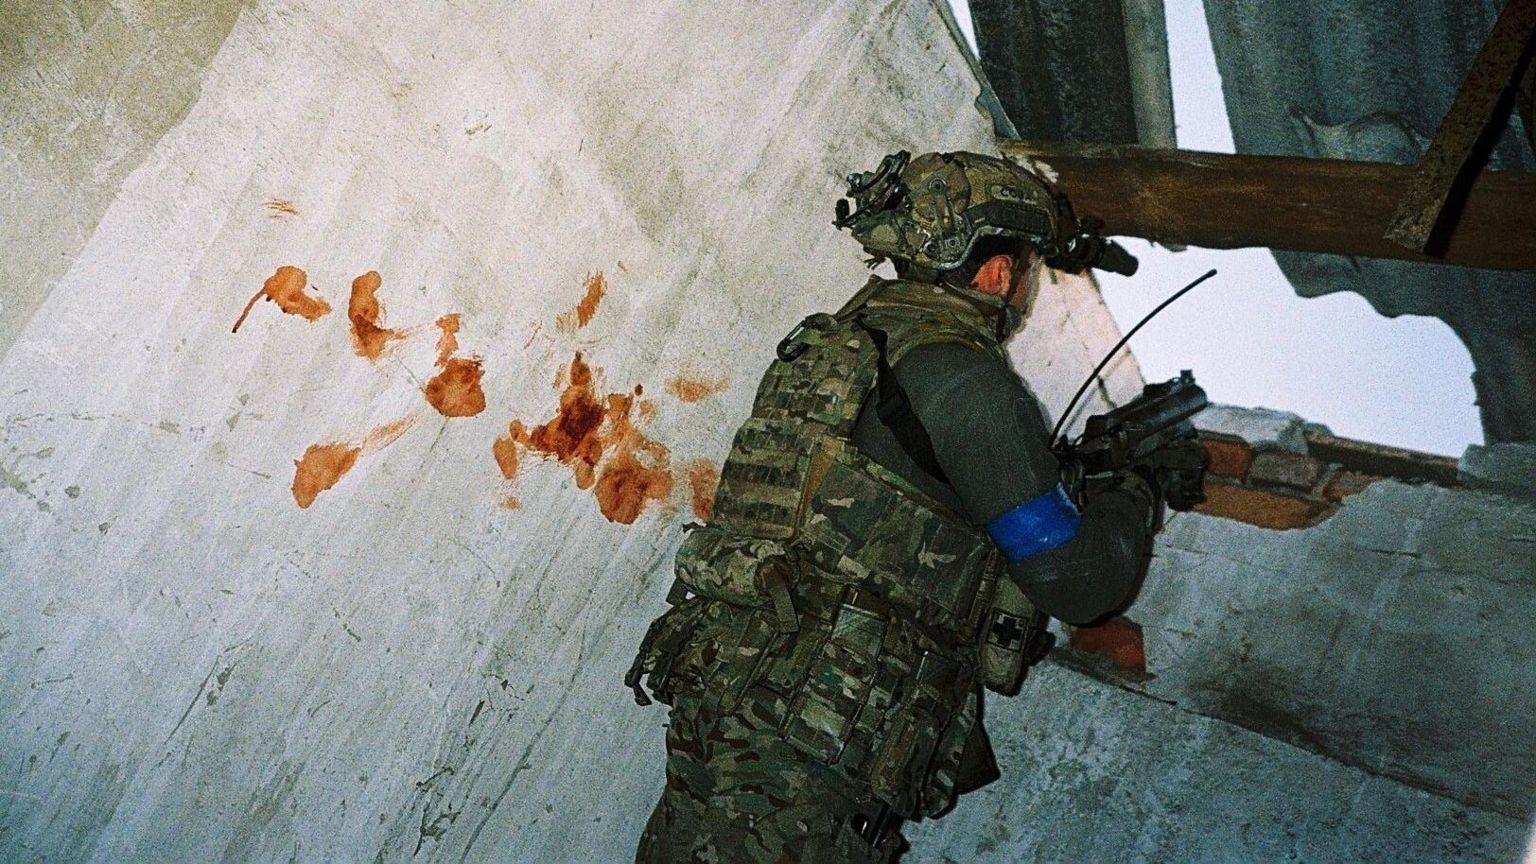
[830, 597]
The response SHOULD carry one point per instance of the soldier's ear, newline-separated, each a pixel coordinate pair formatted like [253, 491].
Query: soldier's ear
[995, 276]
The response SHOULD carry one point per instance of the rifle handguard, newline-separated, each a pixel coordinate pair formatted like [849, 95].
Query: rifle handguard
[1153, 434]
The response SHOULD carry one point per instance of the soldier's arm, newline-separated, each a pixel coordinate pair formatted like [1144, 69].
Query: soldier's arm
[989, 437]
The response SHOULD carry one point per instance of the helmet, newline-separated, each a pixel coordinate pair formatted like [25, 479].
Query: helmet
[931, 212]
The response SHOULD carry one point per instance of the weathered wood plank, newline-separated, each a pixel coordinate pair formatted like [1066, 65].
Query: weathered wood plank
[1332, 206]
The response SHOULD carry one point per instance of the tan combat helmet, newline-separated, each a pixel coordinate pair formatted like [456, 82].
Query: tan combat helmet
[931, 211]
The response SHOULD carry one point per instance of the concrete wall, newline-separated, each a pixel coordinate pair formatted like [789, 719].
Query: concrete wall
[1393, 636]
[1096, 772]
[426, 660]
[295, 593]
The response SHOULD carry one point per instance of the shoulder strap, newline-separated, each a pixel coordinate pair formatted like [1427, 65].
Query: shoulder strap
[894, 408]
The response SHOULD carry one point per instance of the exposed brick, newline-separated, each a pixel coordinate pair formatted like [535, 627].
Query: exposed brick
[1229, 457]
[1346, 483]
[1118, 640]
[1260, 507]
[1283, 468]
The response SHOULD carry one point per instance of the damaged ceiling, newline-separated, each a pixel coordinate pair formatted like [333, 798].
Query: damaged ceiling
[1363, 80]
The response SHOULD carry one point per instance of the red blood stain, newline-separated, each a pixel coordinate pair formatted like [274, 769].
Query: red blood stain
[508, 450]
[586, 308]
[598, 440]
[363, 309]
[627, 485]
[323, 465]
[637, 473]
[320, 468]
[456, 391]
[571, 437]
[279, 208]
[697, 389]
[286, 289]
[703, 477]
[385, 435]
[448, 342]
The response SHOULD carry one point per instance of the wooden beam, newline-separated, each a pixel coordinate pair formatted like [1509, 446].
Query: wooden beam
[1333, 206]
[1433, 196]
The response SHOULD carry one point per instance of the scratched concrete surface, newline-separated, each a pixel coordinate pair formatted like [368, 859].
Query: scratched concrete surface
[196, 668]
[1394, 636]
[86, 89]
[1101, 773]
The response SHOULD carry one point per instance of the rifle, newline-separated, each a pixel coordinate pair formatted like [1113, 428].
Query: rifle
[1152, 434]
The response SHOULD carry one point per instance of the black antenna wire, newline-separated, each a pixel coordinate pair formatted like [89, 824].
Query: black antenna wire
[1121, 344]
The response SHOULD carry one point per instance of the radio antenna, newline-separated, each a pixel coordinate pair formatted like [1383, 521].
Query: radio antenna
[1121, 344]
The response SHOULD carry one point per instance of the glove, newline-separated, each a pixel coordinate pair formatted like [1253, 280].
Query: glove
[1133, 486]
[1178, 472]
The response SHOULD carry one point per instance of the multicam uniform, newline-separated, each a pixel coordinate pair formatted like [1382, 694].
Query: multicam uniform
[834, 624]
[875, 537]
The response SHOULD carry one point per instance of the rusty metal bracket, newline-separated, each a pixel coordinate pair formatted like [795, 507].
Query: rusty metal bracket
[1482, 95]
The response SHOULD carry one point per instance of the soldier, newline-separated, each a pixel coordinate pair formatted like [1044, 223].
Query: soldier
[890, 533]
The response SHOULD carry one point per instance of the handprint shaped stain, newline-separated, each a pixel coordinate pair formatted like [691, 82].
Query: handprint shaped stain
[456, 390]
[599, 441]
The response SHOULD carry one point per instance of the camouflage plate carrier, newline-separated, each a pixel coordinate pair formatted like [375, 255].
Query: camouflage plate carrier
[831, 598]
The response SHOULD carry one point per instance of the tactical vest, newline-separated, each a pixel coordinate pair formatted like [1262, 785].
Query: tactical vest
[875, 611]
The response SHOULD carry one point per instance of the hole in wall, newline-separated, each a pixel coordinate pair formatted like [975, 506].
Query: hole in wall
[1251, 340]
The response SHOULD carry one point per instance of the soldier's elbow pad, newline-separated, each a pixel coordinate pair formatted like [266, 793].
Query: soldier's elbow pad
[1035, 526]
[1080, 583]
[1071, 609]
[1069, 598]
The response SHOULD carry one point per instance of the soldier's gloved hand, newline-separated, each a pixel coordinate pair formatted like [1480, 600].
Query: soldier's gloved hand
[1131, 486]
[1178, 472]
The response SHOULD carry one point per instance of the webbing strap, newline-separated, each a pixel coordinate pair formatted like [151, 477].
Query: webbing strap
[775, 575]
[894, 408]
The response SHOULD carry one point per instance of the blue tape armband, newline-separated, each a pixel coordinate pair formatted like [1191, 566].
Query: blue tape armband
[1038, 525]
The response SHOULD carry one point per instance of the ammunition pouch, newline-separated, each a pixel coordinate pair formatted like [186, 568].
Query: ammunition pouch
[659, 651]
[702, 650]
[742, 571]
[859, 692]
